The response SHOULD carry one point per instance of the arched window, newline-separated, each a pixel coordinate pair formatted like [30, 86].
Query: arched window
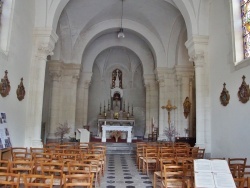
[245, 16]
[5, 25]
[240, 36]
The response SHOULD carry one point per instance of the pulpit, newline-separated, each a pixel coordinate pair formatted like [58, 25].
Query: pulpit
[83, 135]
[127, 129]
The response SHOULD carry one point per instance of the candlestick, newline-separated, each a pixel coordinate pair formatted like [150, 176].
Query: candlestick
[132, 114]
[124, 106]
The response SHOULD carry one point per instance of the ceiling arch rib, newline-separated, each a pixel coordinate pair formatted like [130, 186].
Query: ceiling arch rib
[86, 37]
[110, 40]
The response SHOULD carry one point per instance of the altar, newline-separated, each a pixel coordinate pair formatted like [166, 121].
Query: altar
[127, 129]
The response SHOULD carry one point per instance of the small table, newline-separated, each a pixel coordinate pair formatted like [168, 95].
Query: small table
[106, 128]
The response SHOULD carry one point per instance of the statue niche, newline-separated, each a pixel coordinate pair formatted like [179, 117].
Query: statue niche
[116, 106]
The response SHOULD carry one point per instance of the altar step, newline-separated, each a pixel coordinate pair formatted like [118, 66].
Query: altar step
[121, 148]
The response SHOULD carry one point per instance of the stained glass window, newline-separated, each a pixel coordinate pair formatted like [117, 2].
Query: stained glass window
[245, 15]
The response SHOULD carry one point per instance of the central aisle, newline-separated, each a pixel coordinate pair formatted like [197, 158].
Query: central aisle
[121, 172]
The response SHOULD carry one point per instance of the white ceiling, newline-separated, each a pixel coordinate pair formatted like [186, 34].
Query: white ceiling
[160, 17]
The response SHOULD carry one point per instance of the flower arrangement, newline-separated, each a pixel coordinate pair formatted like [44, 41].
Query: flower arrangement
[116, 135]
[61, 130]
[170, 132]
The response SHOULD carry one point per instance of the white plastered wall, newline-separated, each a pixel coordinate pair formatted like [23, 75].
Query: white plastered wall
[230, 124]
[17, 63]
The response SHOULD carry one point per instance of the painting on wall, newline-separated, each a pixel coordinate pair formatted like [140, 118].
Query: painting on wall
[5, 141]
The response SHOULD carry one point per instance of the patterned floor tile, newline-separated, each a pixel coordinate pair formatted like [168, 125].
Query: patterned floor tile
[121, 172]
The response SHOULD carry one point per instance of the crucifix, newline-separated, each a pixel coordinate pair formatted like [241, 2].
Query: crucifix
[169, 107]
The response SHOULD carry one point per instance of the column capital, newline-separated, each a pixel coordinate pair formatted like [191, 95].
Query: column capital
[55, 69]
[45, 40]
[184, 71]
[197, 47]
[87, 84]
[149, 80]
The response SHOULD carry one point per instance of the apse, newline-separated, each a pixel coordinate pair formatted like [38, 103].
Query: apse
[132, 86]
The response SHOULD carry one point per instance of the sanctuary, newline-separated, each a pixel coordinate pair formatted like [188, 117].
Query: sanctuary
[116, 114]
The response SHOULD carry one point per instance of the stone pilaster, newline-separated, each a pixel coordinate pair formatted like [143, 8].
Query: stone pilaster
[44, 42]
[86, 101]
[82, 99]
[69, 94]
[55, 72]
[184, 76]
[197, 50]
[167, 90]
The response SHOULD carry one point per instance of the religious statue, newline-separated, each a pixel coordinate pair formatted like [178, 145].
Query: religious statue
[186, 106]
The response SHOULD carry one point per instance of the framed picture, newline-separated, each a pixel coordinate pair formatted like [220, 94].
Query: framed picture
[244, 92]
[224, 96]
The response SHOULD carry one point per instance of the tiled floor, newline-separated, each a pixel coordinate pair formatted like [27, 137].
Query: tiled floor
[121, 172]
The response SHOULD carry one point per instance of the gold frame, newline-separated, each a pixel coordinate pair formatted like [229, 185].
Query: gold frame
[5, 85]
[244, 91]
[20, 92]
[224, 96]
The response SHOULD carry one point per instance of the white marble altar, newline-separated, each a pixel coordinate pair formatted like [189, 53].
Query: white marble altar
[114, 122]
[127, 129]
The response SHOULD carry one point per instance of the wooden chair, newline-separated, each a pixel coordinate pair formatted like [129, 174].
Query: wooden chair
[182, 151]
[37, 150]
[239, 182]
[4, 166]
[78, 180]
[237, 166]
[95, 168]
[10, 179]
[174, 176]
[139, 151]
[149, 160]
[55, 169]
[158, 175]
[194, 152]
[35, 180]
[22, 167]
[19, 149]
[19, 155]
[50, 145]
[102, 156]
[201, 153]
[79, 168]
[39, 158]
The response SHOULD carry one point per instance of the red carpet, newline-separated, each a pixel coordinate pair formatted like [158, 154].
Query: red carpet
[93, 139]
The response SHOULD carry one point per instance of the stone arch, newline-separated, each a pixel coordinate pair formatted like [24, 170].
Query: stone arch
[93, 50]
[85, 39]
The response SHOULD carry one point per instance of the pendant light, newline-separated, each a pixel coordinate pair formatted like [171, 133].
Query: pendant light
[121, 33]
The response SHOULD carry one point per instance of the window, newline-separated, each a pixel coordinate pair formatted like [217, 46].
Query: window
[5, 25]
[240, 36]
[245, 16]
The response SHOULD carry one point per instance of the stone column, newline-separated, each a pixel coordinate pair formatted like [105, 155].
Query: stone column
[162, 114]
[151, 97]
[44, 42]
[69, 89]
[197, 49]
[82, 103]
[55, 72]
[86, 102]
[184, 76]
[148, 123]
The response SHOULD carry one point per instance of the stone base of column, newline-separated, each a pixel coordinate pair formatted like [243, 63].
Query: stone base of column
[51, 136]
[162, 137]
[37, 143]
[200, 145]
